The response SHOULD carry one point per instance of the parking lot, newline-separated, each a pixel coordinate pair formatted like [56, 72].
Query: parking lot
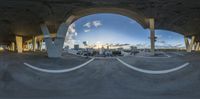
[99, 78]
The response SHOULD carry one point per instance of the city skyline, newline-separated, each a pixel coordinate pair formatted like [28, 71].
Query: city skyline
[117, 29]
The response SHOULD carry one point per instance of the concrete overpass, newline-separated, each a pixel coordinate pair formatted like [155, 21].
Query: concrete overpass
[21, 20]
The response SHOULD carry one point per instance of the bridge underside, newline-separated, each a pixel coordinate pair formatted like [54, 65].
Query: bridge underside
[23, 18]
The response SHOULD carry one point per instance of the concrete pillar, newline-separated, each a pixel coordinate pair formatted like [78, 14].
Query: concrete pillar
[9, 47]
[19, 44]
[34, 43]
[152, 35]
[54, 48]
[189, 45]
[194, 46]
[13, 46]
[186, 43]
[197, 46]
[192, 43]
[40, 44]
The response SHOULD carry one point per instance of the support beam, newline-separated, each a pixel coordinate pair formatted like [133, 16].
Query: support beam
[34, 43]
[152, 35]
[197, 46]
[19, 44]
[186, 43]
[13, 46]
[40, 44]
[192, 43]
[194, 46]
[54, 48]
[189, 45]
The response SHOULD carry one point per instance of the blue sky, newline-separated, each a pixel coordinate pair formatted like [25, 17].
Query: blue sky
[113, 29]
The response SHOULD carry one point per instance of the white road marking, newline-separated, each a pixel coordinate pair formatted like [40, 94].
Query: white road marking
[153, 71]
[58, 71]
[166, 54]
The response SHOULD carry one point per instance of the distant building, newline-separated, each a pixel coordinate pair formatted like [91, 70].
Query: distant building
[101, 50]
[120, 49]
[76, 47]
[108, 48]
[133, 48]
[66, 47]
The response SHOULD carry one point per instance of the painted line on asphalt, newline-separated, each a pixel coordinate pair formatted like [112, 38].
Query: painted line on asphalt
[58, 71]
[153, 71]
[166, 54]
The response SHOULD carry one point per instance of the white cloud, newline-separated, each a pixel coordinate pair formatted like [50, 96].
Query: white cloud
[88, 24]
[97, 23]
[87, 30]
[158, 36]
[70, 36]
[166, 45]
[72, 28]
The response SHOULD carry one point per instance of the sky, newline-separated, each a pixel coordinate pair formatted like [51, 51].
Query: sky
[117, 29]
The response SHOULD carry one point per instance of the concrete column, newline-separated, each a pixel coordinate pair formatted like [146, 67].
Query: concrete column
[192, 43]
[54, 48]
[13, 46]
[194, 46]
[41, 42]
[38, 45]
[34, 43]
[152, 35]
[189, 45]
[186, 43]
[19, 44]
[9, 47]
[197, 46]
